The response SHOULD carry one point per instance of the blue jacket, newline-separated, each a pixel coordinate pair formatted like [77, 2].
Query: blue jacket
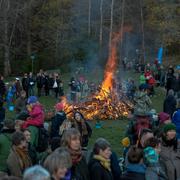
[176, 119]
[134, 172]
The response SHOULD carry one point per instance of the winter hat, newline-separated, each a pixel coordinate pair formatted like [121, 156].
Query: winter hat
[150, 155]
[169, 127]
[59, 106]
[163, 117]
[32, 99]
[125, 142]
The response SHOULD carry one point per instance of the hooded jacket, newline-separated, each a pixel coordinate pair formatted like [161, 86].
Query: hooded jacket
[142, 103]
[36, 117]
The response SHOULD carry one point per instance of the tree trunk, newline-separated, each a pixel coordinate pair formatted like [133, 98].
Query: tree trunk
[122, 25]
[101, 23]
[142, 29]
[7, 67]
[28, 29]
[111, 23]
[89, 18]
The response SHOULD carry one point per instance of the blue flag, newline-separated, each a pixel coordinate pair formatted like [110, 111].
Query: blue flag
[160, 54]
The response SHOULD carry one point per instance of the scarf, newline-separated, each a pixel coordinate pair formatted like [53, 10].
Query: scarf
[76, 156]
[106, 163]
[24, 158]
[170, 143]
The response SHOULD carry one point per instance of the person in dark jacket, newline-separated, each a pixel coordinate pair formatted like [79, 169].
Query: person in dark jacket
[71, 140]
[100, 164]
[2, 87]
[135, 170]
[169, 105]
[40, 83]
[25, 84]
[170, 79]
[84, 128]
[56, 83]
[31, 83]
[57, 120]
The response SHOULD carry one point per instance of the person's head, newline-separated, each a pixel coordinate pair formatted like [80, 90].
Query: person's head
[150, 156]
[102, 147]
[9, 124]
[36, 173]
[164, 118]
[154, 143]
[78, 116]
[71, 139]
[135, 155]
[169, 131]
[23, 94]
[27, 135]
[58, 163]
[170, 92]
[32, 100]
[18, 139]
[144, 135]
[59, 107]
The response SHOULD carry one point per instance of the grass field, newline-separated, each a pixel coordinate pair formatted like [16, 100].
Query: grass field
[112, 130]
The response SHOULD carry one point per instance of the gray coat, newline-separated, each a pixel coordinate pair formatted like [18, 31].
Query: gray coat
[170, 160]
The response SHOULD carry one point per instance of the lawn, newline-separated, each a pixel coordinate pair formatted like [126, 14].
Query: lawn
[112, 130]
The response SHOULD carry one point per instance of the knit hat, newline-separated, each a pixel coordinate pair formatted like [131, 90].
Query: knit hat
[163, 117]
[32, 99]
[125, 142]
[168, 127]
[59, 106]
[150, 155]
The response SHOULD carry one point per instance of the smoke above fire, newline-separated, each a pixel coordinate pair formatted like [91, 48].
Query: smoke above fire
[106, 102]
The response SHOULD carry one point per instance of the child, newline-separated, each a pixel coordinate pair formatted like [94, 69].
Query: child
[135, 169]
[57, 120]
[151, 157]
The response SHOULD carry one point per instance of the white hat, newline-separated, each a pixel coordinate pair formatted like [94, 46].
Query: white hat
[17, 78]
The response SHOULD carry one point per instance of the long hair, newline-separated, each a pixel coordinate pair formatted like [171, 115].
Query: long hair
[68, 135]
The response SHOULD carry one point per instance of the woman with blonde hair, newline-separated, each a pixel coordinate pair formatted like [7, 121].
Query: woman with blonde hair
[59, 164]
[71, 139]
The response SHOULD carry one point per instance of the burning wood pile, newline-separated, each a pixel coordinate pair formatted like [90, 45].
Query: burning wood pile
[106, 103]
[105, 107]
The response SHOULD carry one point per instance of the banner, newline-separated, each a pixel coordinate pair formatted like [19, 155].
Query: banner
[160, 54]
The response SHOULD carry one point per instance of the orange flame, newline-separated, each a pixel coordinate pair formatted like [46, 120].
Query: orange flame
[104, 105]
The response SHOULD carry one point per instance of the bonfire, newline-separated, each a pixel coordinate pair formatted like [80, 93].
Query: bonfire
[106, 103]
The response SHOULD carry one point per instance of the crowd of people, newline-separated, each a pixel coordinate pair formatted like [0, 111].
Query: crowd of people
[34, 149]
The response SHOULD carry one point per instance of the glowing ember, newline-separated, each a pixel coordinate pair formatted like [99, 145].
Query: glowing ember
[105, 104]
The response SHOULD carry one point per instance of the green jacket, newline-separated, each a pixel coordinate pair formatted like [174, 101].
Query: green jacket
[5, 146]
[34, 135]
[142, 79]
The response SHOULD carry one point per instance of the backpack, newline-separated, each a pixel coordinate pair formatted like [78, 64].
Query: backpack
[43, 139]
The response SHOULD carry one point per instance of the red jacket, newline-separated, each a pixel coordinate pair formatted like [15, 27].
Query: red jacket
[36, 117]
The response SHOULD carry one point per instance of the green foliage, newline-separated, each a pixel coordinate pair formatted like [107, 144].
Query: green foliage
[163, 17]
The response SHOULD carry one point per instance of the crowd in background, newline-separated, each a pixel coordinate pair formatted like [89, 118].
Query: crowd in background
[31, 148]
